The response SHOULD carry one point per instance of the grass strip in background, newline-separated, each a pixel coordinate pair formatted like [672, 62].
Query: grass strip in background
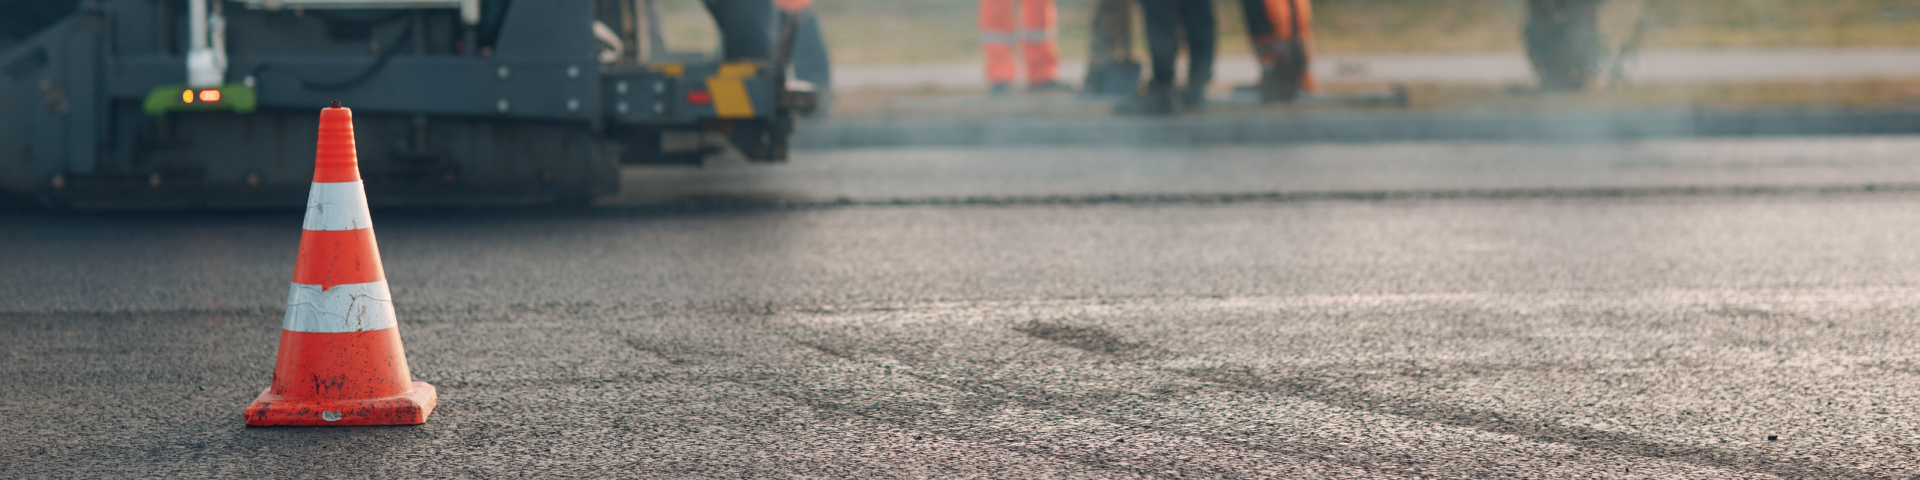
[918, 31]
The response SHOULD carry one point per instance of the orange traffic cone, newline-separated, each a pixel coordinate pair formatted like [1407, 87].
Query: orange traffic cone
[340, 359]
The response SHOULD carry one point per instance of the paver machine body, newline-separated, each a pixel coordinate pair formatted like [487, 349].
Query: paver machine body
[211, 103]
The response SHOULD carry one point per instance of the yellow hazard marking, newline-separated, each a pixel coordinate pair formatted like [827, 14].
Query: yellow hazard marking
[738, 70]
[670, 69]
[730, 99]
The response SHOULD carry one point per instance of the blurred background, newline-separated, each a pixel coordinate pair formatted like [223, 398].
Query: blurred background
[945, 31]
[100, 95]
[1467, 53]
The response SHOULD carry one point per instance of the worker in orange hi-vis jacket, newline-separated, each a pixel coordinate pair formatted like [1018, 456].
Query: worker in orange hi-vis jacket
[1035, 35]
[1282, 32]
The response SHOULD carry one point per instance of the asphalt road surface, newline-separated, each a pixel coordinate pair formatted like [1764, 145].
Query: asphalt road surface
[1731, 308]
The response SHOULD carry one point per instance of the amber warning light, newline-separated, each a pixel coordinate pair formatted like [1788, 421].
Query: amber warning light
[208, 95]
[233, 97]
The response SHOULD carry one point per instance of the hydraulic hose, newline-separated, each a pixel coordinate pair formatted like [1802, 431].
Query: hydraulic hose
[387, 52]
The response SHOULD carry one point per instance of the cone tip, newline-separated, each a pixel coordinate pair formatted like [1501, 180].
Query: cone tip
[336, 104]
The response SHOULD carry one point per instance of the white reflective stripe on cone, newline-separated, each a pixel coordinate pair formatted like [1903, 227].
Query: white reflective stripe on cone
[997, 37]
[337, 206]
[353, 307]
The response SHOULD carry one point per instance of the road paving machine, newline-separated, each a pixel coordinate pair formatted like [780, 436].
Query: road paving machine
[212, 103]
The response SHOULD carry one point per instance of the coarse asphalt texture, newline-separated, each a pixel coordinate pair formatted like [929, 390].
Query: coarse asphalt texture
[1733, 308]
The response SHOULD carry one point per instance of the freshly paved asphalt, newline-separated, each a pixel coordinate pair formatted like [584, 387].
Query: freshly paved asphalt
[1674, 309]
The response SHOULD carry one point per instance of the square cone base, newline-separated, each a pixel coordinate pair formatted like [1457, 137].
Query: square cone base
[410, 408]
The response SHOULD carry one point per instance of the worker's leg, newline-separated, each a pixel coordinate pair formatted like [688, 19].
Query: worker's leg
[1260, 27]
[1110, 50]
[1112, 32]
[1196, 18]
[1304, 8]
[996, 39]
[1036, 41]
[743, 28]
[1163, 41]
[1279, 30]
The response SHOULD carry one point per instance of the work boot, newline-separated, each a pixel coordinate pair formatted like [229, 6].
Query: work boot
[1279, 86]
[1157, 100]
[1000, 89]
[1280, 81]
[1193, 98]
[1050, 86]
